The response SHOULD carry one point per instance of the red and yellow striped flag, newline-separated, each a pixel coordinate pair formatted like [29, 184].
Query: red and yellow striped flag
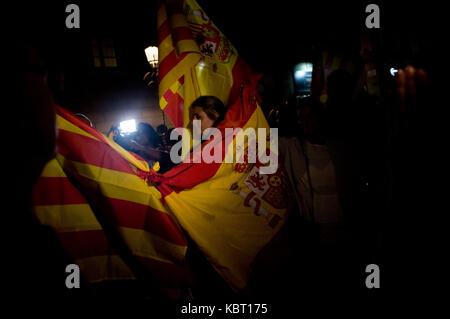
[59, 204]
[195, 59]
[92, 196]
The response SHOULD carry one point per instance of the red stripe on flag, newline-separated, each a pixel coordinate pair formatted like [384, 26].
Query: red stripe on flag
[56, 191]
[163, 31]
[139, 216]
[175, 109]
[168, 63]
[242, 74]
[84, 244]
[182, 33]
[86, 150]
[168, 95]
[196, 174]
[79, 122]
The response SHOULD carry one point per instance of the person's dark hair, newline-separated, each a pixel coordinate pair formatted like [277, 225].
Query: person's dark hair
[148, 130]
[212, 106]
[161, 128]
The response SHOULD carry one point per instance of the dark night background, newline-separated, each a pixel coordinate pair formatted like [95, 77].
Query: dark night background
[271, 36]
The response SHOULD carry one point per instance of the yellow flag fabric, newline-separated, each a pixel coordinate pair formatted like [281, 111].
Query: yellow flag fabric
[95, 197]
[230, 210]
[59, 204]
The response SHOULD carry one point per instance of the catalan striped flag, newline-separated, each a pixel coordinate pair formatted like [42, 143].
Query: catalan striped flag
[95, 197]
[60, 205]
[195, 58]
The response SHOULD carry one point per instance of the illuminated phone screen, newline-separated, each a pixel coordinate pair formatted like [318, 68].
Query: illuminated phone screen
[303, 77]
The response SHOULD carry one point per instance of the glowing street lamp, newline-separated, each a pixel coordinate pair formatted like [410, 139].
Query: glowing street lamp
[152, 77]
[152, 56]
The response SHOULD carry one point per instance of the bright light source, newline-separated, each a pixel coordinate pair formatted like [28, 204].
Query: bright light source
[303, 77]
[393, 71]
[299, 74]
[304, 66]
[152, 56]
[128, 126]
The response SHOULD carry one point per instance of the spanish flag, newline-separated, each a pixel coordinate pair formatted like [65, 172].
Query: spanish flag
[230, 209]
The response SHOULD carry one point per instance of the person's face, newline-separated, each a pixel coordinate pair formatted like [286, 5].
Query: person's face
[199, 114]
